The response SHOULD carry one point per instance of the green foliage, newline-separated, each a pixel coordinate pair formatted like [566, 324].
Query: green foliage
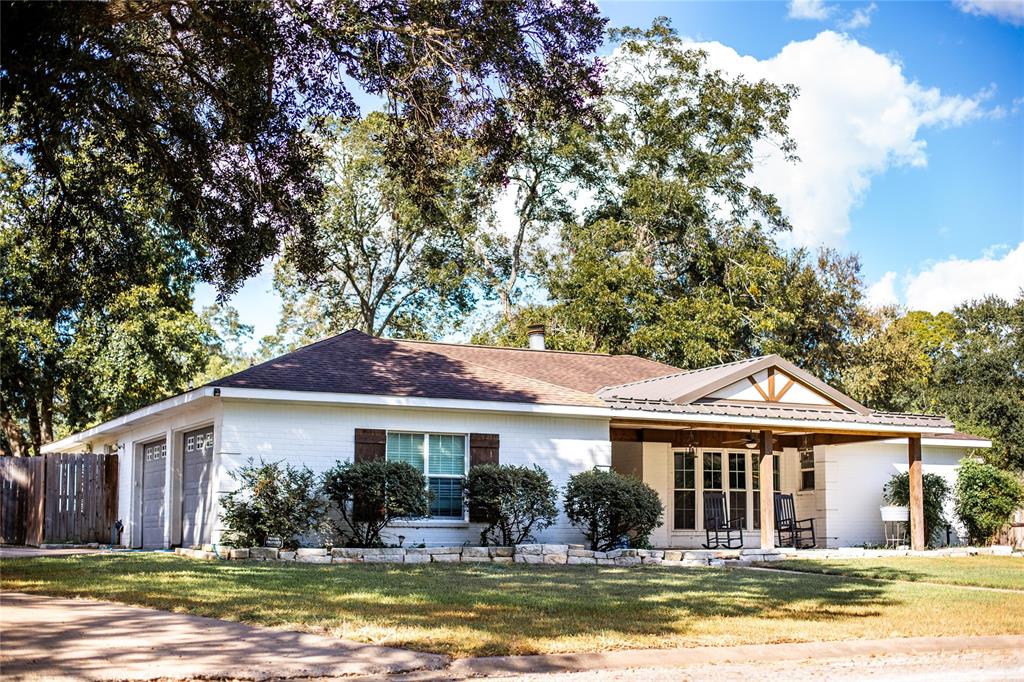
[986, 498]
[272, 500]
[97, 321]
[980, 382]
[966, 364]
[215, 102]
[894, 360]
[371, 494]
[389, 266]
[609, 507]
[514, 502]
[225, 351]
[676, 259]
[936, 491]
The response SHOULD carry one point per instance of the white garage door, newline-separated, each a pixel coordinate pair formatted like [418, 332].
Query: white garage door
[196, 489]
[154, 482]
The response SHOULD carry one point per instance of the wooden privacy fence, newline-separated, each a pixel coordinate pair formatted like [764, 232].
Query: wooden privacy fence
[58, 498]
[1013, 534]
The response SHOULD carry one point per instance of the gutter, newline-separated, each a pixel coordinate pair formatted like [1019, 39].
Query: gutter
[131, 418]
[416, 402]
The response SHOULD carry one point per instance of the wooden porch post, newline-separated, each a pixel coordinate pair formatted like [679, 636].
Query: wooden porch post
[917, 539]
[767, 479]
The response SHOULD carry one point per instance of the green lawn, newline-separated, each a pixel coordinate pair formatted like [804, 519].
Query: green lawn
[471, 610]
[981, 571]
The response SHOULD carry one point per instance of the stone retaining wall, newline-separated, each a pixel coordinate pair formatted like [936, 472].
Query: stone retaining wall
[571, 555]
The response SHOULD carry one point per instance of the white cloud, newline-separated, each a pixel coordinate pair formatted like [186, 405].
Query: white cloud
[856, 116]
[859, 18]
[947, 283]
[882, 292]
[1009, 11]
[809, 9]
[943, 285]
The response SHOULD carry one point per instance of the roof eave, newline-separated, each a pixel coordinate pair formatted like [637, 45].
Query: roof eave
[126, 421]
[785, 423]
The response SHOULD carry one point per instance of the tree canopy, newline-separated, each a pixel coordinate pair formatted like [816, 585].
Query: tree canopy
[216, 101]
[676, 257]
[97, 321]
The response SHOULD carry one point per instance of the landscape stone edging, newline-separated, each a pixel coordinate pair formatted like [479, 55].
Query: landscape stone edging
[551, 554]
[556, 554]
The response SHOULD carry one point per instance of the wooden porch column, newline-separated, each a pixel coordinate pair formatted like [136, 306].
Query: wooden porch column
[917, 540]
[767, 479]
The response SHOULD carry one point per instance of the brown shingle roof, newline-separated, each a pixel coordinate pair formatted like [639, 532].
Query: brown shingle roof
[354, 362]
[585, 372]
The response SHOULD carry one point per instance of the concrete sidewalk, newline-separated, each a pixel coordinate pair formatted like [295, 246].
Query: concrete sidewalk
[20, 552]
[682, 658]
[51, 638]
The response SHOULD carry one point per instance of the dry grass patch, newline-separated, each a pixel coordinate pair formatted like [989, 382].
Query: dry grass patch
[484, 609]
[1006, 572]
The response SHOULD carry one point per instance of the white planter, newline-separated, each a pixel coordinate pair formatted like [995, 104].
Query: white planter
[894, 513]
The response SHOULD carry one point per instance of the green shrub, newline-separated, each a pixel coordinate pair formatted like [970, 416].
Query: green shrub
[272, 500]
[936, 491]
[513, 501]
[370, 495]
[986, 498]
[609, 507]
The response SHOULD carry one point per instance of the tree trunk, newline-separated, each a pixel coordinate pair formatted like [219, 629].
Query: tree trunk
[33, 426]
[17, 444]
[46, 414]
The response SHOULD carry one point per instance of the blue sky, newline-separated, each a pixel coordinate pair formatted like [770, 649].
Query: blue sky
[910, 127]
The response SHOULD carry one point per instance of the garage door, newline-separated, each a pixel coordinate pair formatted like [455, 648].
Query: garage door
[196, 493]
[154, 481]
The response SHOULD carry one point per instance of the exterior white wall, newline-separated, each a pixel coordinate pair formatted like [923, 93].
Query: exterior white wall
[319, 436]
[854, 477]
[128, 446]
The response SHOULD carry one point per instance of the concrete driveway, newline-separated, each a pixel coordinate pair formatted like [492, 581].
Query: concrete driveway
[18, 552]
[50, 638]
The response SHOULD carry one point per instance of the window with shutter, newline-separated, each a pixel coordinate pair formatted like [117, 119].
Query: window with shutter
[442, 457]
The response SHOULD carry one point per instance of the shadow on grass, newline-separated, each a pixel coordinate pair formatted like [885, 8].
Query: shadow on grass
[465, 610]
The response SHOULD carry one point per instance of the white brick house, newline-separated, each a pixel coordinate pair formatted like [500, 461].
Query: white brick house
[684, 433]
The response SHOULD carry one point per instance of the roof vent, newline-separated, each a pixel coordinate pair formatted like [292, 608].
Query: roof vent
[535, 333]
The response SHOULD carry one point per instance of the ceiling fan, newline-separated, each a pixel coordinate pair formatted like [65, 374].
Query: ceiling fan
[749, 442]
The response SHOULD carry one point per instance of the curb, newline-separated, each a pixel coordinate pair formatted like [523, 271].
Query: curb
[491, 666]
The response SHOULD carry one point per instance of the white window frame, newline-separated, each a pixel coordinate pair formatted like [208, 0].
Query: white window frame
[431, 520]
[812, 468]
[748, 520]
[696, 489]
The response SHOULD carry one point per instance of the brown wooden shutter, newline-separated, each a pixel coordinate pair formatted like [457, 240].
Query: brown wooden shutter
[483, 448]
[371, 444]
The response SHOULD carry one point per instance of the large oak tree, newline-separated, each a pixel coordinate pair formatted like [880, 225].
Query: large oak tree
[148, 143]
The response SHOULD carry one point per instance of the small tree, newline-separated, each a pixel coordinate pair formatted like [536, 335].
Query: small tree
[513, 501]
[609, 507]
[986, 498]
[936, 491]
[272, 499]
[370, 495]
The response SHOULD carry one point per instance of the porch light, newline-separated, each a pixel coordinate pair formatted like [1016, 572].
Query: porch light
[750, 443]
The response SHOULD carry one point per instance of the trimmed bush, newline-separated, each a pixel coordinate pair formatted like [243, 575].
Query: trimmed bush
[936, 491]
[370, 495]
[986, 498]
[272, 500]
[609, 508]
[513, 501]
